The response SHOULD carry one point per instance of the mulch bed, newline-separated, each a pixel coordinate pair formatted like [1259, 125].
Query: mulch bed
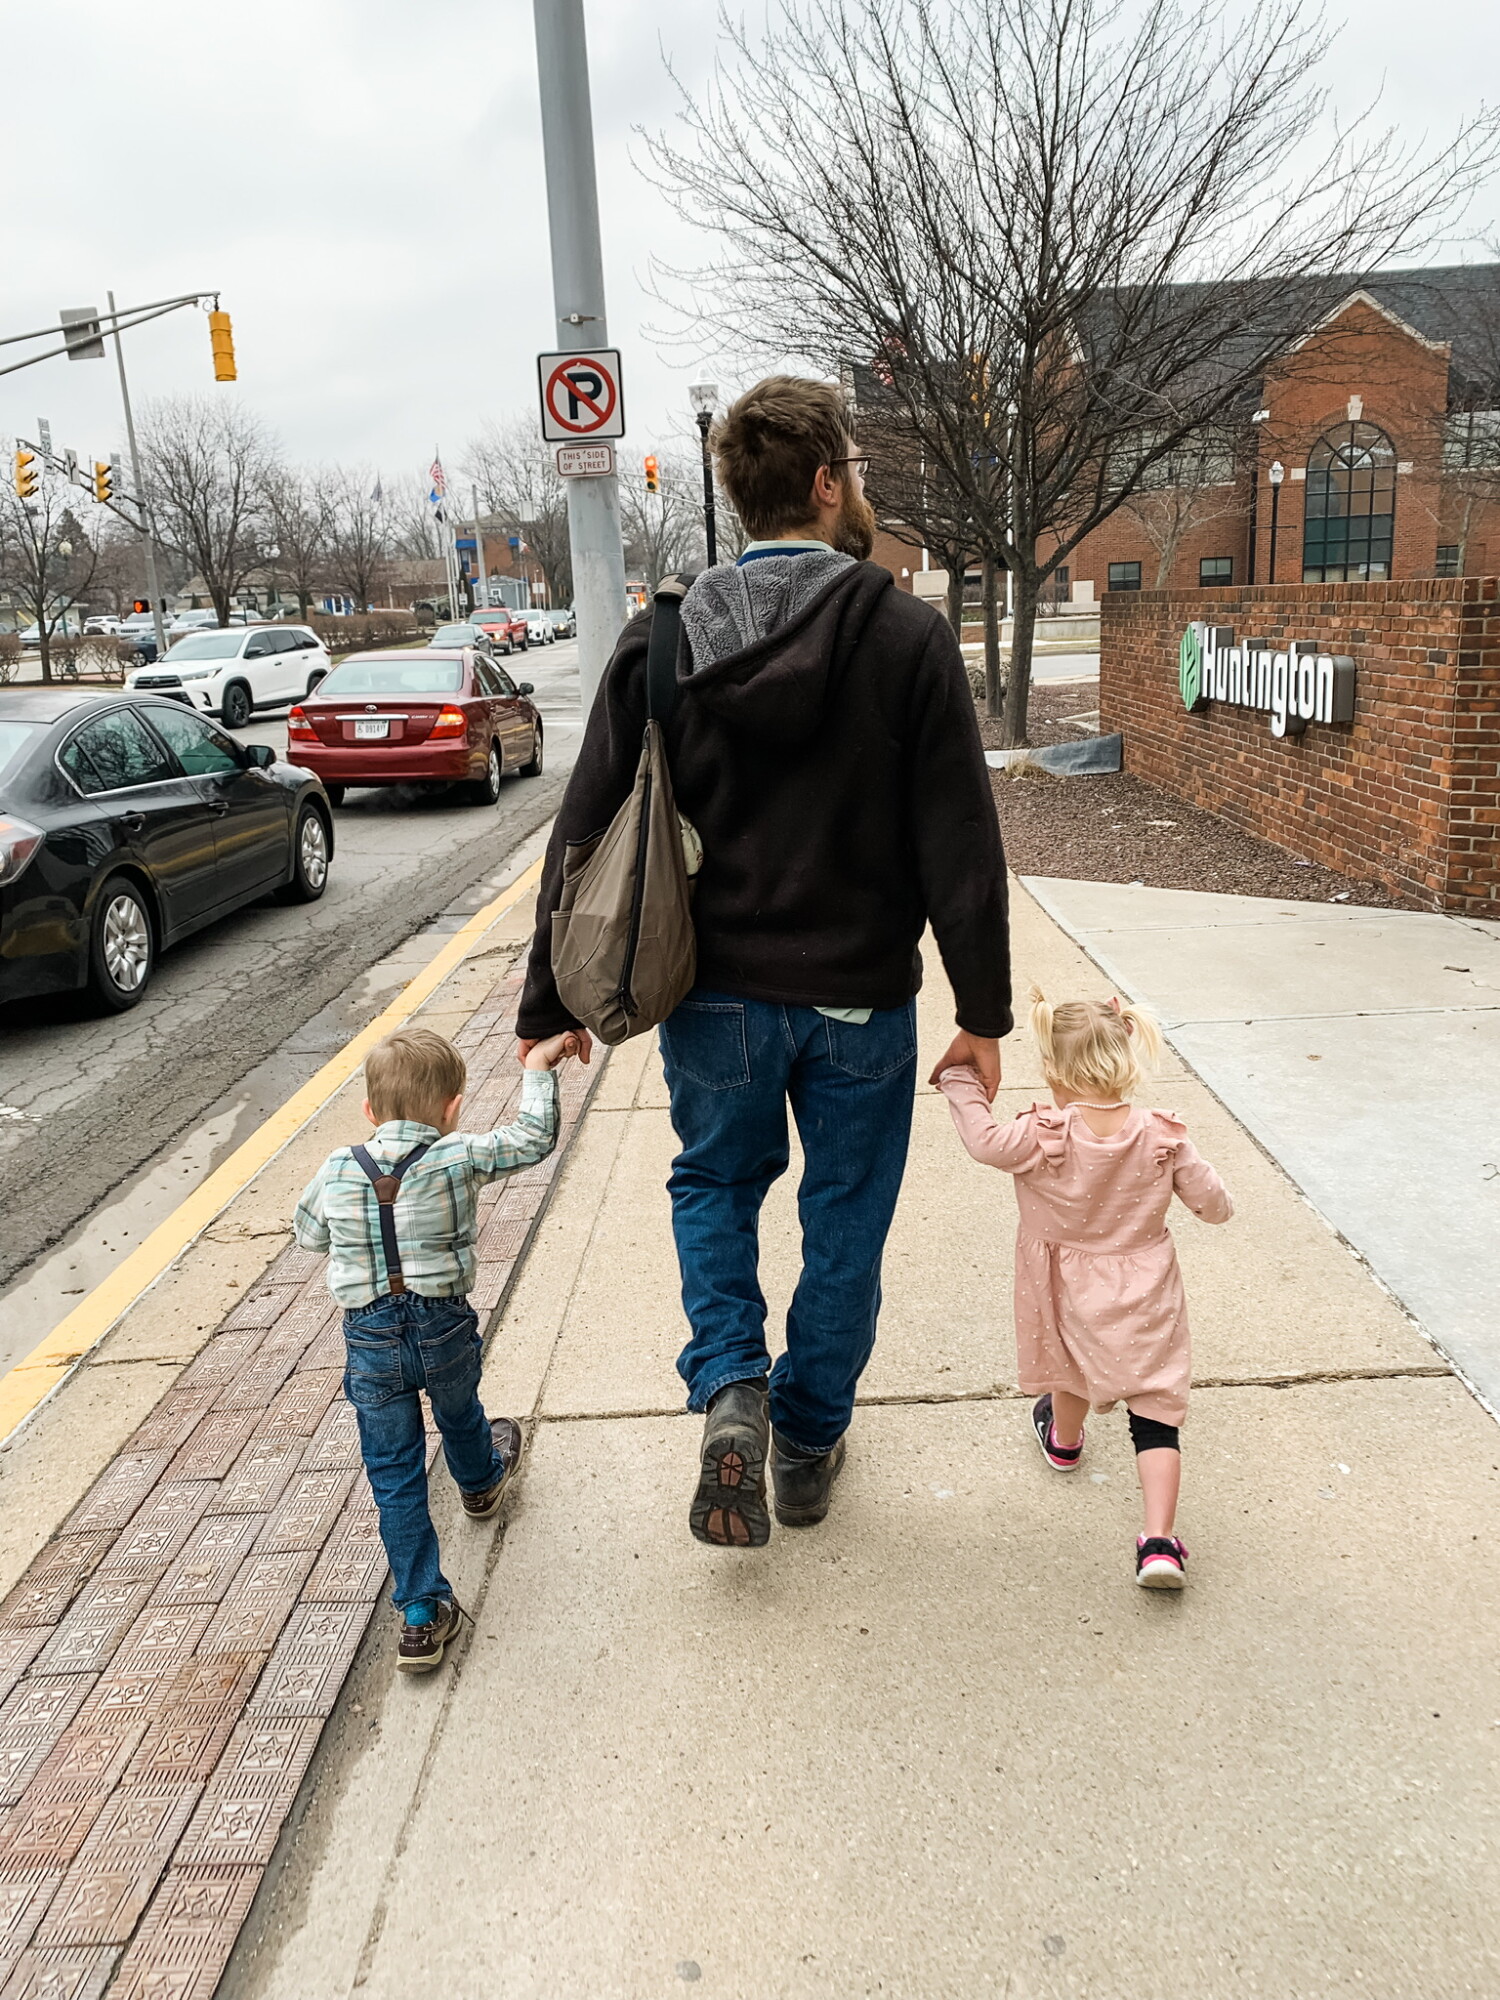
[1120, 829]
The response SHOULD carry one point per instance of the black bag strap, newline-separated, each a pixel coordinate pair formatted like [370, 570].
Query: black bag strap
[386, 1182]
[661, 654]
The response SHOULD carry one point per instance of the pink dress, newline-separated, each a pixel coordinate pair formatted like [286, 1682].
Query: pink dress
[1100, 1310]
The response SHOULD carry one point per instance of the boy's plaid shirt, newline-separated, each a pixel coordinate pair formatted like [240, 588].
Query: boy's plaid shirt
[437, 1208]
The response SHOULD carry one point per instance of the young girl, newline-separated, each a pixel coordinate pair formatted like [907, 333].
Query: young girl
[1100, 1313]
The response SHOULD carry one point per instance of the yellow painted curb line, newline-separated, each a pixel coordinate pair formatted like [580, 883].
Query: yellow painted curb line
[33, 1379]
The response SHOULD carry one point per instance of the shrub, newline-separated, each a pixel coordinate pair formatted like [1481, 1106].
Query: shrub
[10, 655]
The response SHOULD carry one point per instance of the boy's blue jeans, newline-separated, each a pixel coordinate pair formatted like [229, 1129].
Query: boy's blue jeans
[393, 1347]
[732, 1068]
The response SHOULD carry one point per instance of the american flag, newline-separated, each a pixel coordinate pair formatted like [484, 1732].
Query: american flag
[439, 478]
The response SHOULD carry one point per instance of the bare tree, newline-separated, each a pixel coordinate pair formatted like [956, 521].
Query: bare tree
[359, 534]
[207, 463]
[46, 559]
[664, 530]
[1187, 491]
[516, 475]
[119, 567]
[298, 519]
[1072, 237]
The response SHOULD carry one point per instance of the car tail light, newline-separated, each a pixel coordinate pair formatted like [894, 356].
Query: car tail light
[297, 724]
[451, 722]
[19, 840]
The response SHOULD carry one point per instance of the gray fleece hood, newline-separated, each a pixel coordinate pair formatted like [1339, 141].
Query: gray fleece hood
[731, 607]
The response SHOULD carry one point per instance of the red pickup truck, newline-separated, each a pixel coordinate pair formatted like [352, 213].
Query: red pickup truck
[506, 628]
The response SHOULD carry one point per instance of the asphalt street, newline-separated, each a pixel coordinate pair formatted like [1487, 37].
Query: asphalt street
[87, 1102]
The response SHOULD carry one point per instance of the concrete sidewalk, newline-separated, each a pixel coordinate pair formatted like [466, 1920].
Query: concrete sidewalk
[941, 1747]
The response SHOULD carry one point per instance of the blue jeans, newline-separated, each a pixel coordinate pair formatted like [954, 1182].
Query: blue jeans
[393, 1347]
[732, 1067]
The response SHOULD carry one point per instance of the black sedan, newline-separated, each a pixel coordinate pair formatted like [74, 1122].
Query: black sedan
[127, 822]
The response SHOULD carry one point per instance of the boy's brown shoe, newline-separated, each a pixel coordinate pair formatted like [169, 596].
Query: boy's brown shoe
[421, 1647]
[507, 1435]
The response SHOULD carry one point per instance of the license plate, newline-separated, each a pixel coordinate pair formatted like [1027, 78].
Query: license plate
[371, 729]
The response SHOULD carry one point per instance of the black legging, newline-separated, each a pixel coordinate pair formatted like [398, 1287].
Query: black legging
[1146, 1434]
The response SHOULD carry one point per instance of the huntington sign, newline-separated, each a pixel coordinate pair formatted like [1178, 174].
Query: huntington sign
[1294, 687]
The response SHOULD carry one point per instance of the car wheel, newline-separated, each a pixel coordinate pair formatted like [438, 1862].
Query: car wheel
[487, 791]
[235, 707]
[335, 794]
[122, 948]
[309, 858]
[313, 680]
[534, 768]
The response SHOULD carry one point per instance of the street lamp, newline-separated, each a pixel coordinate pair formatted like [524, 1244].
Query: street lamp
[1275, 472]
[705, 397]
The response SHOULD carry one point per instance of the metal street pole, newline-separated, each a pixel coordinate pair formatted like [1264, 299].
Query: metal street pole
[710, 525]
[1276, 474]
[142, 498]
[578, 294]
[481, 574]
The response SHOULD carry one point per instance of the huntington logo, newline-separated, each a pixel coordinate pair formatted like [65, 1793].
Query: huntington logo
[1190, 667]
[1294, 687]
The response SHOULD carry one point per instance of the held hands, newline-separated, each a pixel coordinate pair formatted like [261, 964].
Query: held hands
[555, 1049]
[981, 1053]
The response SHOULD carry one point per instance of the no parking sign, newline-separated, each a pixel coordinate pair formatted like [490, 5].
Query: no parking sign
[581, 395]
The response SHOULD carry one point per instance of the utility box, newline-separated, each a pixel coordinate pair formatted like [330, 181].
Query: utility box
[932, 586]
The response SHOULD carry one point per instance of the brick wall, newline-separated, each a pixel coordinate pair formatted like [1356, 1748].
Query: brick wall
[1408, 795]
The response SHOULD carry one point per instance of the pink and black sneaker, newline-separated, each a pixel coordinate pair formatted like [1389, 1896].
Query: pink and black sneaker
[1160, 1562]
[1061, 1457]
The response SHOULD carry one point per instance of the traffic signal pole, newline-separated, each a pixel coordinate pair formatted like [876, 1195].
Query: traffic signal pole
[142, 498]
[578, 294]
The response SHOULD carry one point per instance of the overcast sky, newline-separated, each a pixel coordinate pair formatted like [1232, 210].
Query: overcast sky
[362, 181]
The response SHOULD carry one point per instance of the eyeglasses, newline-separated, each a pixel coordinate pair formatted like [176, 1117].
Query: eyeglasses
[860, 463]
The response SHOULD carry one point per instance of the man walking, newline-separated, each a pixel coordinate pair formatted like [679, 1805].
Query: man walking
[824, 745]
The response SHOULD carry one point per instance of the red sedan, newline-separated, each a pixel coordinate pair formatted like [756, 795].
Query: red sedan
[417, 718]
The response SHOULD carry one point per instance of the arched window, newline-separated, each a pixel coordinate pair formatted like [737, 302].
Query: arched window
[1351, 506]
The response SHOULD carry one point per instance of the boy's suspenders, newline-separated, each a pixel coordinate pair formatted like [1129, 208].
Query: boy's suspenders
[387, 1184]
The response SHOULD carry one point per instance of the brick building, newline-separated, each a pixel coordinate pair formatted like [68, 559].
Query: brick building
[1402, 788]
[1373, 452]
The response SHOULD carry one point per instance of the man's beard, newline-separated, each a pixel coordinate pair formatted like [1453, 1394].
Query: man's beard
[855, 532]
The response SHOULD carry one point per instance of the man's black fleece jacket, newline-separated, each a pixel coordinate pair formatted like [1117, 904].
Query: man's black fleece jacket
[834, 773]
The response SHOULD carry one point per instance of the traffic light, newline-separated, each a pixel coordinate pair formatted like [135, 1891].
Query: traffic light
[653, 481]
[26, 474]
[222, 335]
[104, 482]
[141, 605]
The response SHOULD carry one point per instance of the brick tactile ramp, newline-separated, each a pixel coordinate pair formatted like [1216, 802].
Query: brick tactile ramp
[168, 1661]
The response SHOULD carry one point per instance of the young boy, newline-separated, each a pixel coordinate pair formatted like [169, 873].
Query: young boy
[397, 1217]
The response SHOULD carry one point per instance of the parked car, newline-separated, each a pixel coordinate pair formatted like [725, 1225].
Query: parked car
[233, 673]
[126, 823]
[415, 718]
[564, 623]
[448, 638]
[67, 626]
[539, 630]
[182, 622]
[506, 628]
[103, 626]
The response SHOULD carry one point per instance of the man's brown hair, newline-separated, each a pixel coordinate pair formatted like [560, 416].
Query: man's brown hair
[770, 444]
[413, 1074]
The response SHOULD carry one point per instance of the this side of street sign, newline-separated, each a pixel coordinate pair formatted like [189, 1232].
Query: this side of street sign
[582, 397]
[585, 461]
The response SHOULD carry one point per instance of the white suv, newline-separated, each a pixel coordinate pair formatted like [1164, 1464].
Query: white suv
[232, 673]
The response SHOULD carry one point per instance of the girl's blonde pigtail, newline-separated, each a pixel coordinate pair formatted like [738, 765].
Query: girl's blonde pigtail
[1144, 1034]
[1041, 1027]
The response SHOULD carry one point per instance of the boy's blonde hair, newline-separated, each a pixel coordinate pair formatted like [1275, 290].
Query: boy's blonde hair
[1100, 1048]
[413, 1074]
